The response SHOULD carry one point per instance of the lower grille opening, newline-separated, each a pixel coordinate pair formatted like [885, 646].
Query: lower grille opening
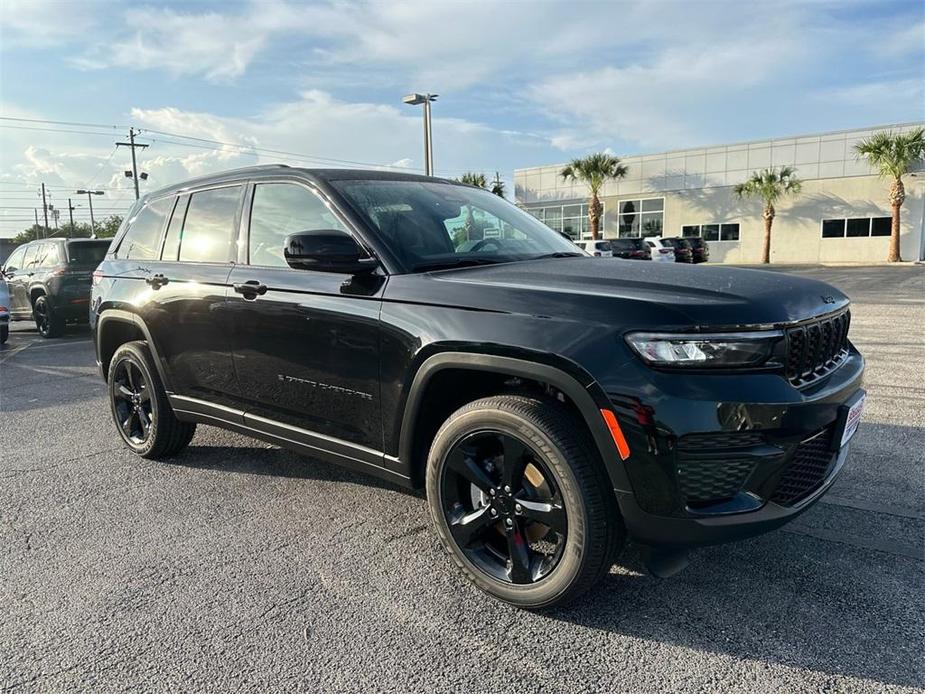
[807, 470]
[705, 482]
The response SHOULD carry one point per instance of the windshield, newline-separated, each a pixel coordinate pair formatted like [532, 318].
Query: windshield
[87, 252]
[430, 226]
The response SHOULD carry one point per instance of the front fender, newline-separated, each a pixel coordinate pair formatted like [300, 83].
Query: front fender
[574, 382]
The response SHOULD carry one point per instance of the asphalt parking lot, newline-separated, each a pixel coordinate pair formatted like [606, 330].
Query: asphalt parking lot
[242, 567]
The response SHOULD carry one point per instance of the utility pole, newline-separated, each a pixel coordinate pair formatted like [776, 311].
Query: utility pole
[90, 194]
[36, 216]
[45, 210]
[70, 211]
[131, 143]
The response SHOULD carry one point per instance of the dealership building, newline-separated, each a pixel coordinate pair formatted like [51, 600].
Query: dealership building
[841, 215]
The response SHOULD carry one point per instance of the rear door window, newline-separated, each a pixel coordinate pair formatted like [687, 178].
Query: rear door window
[31, 256]
[142, 240]
[211, 222]
[171, 250]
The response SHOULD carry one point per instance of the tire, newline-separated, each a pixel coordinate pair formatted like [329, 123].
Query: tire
[48, 324]
[139, 406]
[572, 491]
[4, 334]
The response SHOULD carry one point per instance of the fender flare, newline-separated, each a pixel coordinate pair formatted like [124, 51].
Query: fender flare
[580, 395]
[117, 315]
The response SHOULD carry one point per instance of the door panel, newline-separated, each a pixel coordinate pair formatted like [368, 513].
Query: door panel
[306, 352]
[189, 323]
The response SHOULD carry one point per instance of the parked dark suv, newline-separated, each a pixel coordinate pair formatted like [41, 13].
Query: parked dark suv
[700, 249]
[49, 281]
[683, 252]
[631, 249]
[551, 404]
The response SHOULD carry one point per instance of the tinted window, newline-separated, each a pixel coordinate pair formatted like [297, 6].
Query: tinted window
[280, 209]
[858, 227]
[690, 230]
[87, 252]
[31, 255]
[622, 244]
[833, 228]
[172, 239]
[49, 254]
[729, 232]
[881, 226]
[602, 246]
[710, 232]
[208, 232]
[142, 240]
[14, 262]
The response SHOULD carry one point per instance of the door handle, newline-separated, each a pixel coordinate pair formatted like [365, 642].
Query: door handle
[250, 289]
[157, 281]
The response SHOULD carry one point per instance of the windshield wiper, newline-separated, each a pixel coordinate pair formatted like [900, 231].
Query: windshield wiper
[559, 254]
[458, 262]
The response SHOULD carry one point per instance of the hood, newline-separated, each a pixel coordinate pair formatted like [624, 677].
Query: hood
[697, 295]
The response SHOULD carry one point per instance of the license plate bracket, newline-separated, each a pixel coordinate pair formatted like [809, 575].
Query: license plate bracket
[849, 418]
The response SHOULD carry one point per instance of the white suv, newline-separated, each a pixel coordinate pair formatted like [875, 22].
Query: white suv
[601, 249]
[662, 251]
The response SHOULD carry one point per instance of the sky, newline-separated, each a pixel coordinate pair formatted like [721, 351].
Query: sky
[217, 85]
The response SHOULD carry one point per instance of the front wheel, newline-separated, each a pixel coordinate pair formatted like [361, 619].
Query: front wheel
[520, 500]
[140, 410]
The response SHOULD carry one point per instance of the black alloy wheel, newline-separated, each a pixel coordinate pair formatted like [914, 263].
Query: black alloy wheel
[132, 405]
[140, 408]
[520, 500]
[503, 507]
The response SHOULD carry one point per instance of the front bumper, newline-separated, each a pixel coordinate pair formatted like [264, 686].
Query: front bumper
[716, 459]
[666, 531]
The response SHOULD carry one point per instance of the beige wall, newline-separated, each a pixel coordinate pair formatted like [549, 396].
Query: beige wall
[797, 231]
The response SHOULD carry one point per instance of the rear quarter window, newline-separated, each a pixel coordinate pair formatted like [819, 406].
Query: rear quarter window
[142, 239]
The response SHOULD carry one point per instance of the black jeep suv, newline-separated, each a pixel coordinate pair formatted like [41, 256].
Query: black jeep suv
[49, 281]
[551, 404]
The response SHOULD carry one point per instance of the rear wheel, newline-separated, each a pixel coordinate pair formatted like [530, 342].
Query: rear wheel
[47, 322]
[518, 498]
[140, 410]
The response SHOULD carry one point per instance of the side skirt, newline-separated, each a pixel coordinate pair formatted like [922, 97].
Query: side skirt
[296, 439]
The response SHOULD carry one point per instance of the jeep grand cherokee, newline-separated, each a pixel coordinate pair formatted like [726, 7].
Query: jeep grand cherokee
[552, 405]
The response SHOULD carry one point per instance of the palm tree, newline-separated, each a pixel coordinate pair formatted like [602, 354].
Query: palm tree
[770, 185]
[893, 156]
[594, 171]
[497, 186]
[474, 179]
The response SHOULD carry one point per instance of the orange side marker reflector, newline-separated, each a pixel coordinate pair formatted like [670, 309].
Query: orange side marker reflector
[617, 433]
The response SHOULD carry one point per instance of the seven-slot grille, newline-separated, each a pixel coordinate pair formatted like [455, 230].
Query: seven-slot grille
[814, 349]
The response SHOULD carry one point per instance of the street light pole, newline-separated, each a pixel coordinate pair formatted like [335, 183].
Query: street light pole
[425, 99]
[90, 194]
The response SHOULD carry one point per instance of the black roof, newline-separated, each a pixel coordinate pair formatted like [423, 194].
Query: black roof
[320, 175]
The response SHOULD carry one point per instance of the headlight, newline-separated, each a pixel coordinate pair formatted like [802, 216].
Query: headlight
[704, 350]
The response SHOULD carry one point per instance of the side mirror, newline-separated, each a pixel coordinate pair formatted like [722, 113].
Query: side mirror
[327, 250]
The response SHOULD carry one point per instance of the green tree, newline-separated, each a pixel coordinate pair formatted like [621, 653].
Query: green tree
[770, 185]
[497, 186]
[893, 156]
[108, 227]
[474, 179]
[594, 171]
